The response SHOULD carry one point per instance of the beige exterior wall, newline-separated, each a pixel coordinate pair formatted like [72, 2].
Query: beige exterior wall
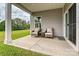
[52, 19]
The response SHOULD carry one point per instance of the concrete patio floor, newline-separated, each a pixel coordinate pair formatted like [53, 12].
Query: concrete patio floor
[54, 47]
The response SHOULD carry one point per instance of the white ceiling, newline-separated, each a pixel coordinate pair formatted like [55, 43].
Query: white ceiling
[35, 7]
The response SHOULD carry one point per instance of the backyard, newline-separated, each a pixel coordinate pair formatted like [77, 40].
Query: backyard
[7, 50]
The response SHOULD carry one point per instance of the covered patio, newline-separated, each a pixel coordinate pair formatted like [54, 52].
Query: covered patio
[47, 46]
[51, 16]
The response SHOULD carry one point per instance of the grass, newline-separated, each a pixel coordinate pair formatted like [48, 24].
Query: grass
[7, 50]
[15, 34]
[20, 33]
[1, 36]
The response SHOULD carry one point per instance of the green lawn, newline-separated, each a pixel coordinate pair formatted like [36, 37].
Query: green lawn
[20, 33]
[1, 36]
[15, 34]
[7, 50]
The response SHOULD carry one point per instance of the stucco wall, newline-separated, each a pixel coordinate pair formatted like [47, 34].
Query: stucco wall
[52, 19]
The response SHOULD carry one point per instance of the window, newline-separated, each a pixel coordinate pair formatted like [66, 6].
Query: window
[38, 22]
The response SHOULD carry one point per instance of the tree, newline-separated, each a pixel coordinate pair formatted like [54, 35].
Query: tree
[17, 24]
[20, 24]
[2, 26]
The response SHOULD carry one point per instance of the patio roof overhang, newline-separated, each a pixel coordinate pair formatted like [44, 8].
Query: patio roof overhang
[37, 7]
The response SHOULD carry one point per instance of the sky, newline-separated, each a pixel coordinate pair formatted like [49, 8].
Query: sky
[16, 13]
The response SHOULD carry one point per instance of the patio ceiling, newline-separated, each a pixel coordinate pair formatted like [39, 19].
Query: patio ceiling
[36, 7]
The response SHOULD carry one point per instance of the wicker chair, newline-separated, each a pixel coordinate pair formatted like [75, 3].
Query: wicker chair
[35, 32]
[49, 33]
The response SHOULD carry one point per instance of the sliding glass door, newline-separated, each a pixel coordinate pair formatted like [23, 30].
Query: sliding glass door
[71, 24]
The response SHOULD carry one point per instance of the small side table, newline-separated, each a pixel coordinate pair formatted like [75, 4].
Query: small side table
[42, 34]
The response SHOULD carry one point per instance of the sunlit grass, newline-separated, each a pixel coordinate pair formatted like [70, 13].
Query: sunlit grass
[20, 33]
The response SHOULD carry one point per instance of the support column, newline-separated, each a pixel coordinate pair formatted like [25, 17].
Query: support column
[32, 22]
[7, 23]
